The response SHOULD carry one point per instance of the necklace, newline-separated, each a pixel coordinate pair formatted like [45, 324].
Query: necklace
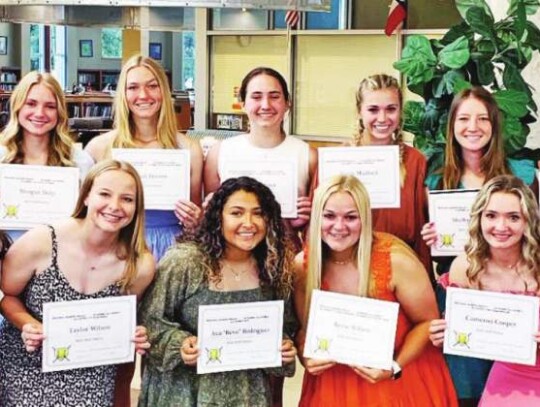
[340, 262]
[145, 142]
[237, 274]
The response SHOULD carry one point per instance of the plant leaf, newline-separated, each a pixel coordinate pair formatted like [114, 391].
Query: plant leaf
[512, 102]
[512, 78]
[520, 20]
[514, 134]
[457, 31]
[531, 6]
[533, 36]
[481, 22]
[464, 5]
[418, 60]
[485, 72]
[461, 84]
[455, 54]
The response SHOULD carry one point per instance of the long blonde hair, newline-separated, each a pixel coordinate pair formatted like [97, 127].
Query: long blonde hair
[478, 250]
[131, 239]
[167, 130]
[374, 83]
[316, 247]
[493, 162]
[60, 141]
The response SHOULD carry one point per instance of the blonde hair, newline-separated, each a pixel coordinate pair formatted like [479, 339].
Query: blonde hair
[374, 83]
[60, 141]
[493, 162]
[167, 130]
[316, 247]
[131, 239]
[478, 250]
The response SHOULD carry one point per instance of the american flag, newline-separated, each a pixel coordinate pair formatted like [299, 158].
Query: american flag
[292, 17]
[396, 16]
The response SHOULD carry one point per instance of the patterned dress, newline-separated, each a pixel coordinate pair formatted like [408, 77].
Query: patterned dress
[21, 381]
[170, 313]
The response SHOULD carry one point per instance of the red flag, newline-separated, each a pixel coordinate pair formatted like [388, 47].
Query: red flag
[396, 16]
[292, 17]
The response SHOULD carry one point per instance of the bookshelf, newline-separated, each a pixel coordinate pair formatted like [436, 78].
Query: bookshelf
[97, 79]
[9, 77]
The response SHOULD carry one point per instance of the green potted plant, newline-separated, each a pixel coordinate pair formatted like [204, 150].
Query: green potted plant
[478, 51]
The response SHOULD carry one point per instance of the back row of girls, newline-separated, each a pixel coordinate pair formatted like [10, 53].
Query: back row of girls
[144, 118]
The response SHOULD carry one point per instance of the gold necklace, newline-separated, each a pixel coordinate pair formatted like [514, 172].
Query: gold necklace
[340, 262]
[237, 274]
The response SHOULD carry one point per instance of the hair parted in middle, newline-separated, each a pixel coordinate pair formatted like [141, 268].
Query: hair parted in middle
[60, 142]
[374, 83]
[478, 250]
[123, 121]
[274, 255]
[493, 161]
[131, 237]
[317, 249]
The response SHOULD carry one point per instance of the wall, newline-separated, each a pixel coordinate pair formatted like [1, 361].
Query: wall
[13, 34]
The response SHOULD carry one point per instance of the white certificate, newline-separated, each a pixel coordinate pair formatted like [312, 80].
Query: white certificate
[376, 166]
[165, 174]
[451, 212]
[351, 330]
[278, 174]
[491, 325]
[88, 333]
[240, 336]
[32, 195]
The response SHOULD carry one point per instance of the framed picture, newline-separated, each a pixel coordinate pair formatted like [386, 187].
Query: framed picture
[155, 50]
[3, 45]
[86, 49]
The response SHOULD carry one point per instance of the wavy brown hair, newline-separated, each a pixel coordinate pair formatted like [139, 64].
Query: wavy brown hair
[493, 161]
[274, 254]
[60, 141]
[478, 250]
[132, 244]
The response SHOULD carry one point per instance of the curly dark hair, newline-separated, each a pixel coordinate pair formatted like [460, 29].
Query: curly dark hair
[274, 254]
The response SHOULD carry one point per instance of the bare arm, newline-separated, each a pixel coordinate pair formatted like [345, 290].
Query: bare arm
[98, 147]
[211, 174]
[146, 270]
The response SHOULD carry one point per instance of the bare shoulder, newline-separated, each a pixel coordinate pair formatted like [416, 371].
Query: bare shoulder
[97, 146]
[31, 248]
[146, 270]
[183, 141]
[458, 271]
[299, 267]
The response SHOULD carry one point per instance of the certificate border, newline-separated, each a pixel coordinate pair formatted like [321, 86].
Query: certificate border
[530, 301]
[49, 307]
[69, 174]
[150, 202]
[326, 152]
[277, 305]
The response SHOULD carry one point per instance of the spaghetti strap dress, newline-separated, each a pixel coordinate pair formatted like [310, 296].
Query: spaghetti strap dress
[21, 381]
[424, 381]
[161, 230]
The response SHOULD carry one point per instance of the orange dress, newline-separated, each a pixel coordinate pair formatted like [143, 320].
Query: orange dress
[425, 382]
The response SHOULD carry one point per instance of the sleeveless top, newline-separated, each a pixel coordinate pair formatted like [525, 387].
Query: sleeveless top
[21, 381]
[241, 147]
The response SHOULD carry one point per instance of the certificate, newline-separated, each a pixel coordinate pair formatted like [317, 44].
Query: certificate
[88, 333]
[451, 211]
[165, 174]
[240, 336]
[32, 195]
[376, 166]
[351, 330]
[278, 174]
[491, 325]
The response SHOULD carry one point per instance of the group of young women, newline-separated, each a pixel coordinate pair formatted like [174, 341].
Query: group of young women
[239, 249]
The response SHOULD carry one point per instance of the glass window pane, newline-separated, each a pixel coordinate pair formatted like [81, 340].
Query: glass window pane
[234, 56]
[320, 20]
[239, 19]
[325, 92]
[188, 59]
[279, 19]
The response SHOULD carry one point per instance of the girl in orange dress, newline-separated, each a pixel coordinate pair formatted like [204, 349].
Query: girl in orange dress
[346, 256]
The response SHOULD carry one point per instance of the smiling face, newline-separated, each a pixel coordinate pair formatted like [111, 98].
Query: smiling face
[143, 93]
[472, 125]
[380, 113]
[243, 224]
[265, 102]
[341, 225]
[111, 201]
[39, 113]
[503, 223]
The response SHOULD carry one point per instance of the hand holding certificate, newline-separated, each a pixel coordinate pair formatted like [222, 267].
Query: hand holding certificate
[490, 325]
[88, 333]
[351, 330]
[239, 336]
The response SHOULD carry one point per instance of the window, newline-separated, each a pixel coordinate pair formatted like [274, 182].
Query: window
[58, 53]
[111, 43]
[37, 46]
[188, 59]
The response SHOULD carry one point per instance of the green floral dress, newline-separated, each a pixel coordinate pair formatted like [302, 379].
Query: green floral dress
[170, 313]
